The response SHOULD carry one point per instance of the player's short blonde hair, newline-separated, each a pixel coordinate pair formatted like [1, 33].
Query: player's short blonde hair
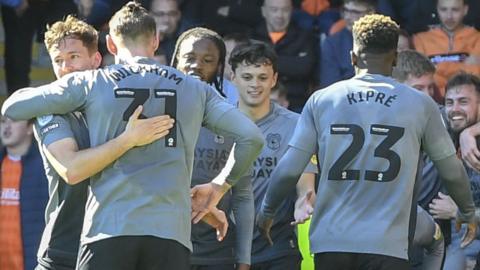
[375, 33]
[132, 22]
[412, 63]
[72, 27]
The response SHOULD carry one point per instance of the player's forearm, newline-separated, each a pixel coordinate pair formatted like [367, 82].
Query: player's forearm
[248, 142]
[28, 103]
[244, 213]
[305, 184]
[284, 178]
[85, 163]
[456, 182]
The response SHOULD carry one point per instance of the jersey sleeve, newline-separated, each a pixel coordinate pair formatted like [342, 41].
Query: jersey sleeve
[436, 141]
[305, 135]
[52, 128]
[62, 96]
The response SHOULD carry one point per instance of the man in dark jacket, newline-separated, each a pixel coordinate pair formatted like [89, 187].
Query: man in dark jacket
[296, 50]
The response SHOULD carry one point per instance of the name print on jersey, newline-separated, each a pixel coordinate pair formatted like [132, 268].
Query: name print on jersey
[126, 71]
[264, 166]
[378, 97]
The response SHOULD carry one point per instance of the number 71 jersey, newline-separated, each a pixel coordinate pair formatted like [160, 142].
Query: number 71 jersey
[368, 132]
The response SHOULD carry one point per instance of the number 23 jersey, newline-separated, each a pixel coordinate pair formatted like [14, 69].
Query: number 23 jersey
[368, 132]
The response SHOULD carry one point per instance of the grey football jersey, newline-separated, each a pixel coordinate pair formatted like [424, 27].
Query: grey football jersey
[368, 132]
[277, 128]
[66, 206]
[146, 191]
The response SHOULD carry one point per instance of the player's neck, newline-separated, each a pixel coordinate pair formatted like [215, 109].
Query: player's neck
[385, 71]
[255, 113]
[128, 53]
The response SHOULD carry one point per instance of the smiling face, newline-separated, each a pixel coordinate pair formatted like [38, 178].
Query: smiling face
[199, 58]
[461, 105]
[451, 13]
[254, 83]
[71, 55]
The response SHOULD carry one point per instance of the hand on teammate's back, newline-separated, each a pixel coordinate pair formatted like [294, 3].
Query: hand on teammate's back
[204, 199]
[144, 131]
[217, 219]
[304, 208]
[443, 207]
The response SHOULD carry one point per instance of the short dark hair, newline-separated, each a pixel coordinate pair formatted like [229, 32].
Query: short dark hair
[413, 63]
[204, 33]
[375, 33]
[253, 52]
[463, 78]
[131, 22]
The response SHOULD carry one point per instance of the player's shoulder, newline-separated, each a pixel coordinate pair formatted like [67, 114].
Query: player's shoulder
[283, 114]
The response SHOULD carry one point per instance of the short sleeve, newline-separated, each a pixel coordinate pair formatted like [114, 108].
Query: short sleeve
[305, 135]
[52, 128]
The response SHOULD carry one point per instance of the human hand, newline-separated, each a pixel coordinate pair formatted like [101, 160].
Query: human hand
[469, 149]
[144, 131]
[443, 207]
[304, 208]
[204, 198]
[264, 225]
[218, 220]
[471, 232]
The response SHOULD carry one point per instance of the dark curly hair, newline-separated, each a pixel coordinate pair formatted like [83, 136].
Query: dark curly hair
[375, 33]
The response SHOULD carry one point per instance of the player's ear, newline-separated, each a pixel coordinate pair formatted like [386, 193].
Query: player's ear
[97, 60]
[111, 46]
[156, 41]
[353, 58]
[275, 77]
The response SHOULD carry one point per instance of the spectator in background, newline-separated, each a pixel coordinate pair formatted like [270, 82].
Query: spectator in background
[335, 63]
[296, 50]
[315, 15]
[451, 46]
[418, 15]
[225, 16]
[461, 104]
[170, 24]
[404, 41]
[23, 198]
[22, 20]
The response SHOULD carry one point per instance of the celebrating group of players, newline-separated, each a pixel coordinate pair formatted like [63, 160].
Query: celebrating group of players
[124, 144]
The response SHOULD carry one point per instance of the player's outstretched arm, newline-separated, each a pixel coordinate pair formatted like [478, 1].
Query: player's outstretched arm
[469, 148]
[244, 212]
[283, 179]
[75, 165]
[248, 144]
[456, 182]
[305, 198]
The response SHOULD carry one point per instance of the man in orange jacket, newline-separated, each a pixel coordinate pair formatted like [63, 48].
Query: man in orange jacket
[451, 46]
